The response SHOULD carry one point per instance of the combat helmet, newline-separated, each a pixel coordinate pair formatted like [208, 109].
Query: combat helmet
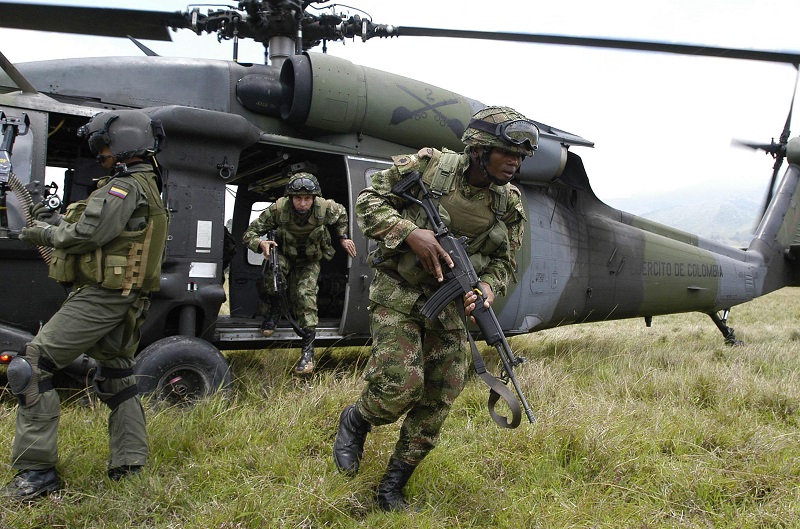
[303, 184]
[128, 133]
[502, 127]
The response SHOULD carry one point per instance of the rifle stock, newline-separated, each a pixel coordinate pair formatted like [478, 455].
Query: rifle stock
[459, 280]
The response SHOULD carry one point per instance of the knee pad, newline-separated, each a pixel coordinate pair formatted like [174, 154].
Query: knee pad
[25, 378]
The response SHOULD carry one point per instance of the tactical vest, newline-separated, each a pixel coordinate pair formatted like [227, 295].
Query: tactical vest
[486, 233]
[132, 261]
[311, 240]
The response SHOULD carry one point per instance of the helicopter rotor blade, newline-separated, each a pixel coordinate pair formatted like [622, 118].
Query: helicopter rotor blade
[564, 40]
[154, 25]
[769, 148]
[148, 25]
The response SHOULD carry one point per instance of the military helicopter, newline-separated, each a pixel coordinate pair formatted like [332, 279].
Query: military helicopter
[243, 128]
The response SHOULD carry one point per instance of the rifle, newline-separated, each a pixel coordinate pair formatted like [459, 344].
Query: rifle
[460, 280]
[272, 266]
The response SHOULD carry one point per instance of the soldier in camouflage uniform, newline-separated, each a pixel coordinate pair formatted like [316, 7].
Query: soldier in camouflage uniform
[109, 247]
[417, 366]
[300, 220]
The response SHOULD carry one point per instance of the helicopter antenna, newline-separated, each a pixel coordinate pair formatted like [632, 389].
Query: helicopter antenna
[147, 51]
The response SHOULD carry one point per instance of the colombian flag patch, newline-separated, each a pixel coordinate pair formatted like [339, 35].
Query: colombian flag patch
[118, 192]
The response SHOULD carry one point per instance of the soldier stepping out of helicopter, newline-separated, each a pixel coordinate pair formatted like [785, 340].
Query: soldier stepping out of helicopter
[418, 366]
[300, 220]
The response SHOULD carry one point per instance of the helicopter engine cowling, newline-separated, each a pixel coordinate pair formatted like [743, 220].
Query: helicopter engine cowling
[333, 95]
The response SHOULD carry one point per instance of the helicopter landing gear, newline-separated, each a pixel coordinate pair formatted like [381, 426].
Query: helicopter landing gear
[179, 370]
[722, 324]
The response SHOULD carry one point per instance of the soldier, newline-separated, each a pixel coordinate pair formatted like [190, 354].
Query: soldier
[300, 220]
[417, 366]
[109, 247]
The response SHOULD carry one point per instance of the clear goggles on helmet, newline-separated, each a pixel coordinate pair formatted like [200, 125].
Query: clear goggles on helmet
[302, 184]
[97, 139]
[516, 132]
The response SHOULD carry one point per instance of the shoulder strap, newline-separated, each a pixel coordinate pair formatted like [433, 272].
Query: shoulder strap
[320, 209]
[282, 204]
[499, 200]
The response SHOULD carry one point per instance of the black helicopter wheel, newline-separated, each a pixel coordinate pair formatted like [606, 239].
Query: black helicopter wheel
[180, 370]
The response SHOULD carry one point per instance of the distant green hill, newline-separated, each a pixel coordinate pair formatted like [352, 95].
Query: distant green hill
[717, 215]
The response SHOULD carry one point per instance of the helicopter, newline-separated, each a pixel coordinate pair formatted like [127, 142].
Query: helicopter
[242, 128]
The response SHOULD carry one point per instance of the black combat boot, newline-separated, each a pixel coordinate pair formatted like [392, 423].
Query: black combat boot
[306, 363]
[390, 490]
[348, 448]
[117, 473]
[29, 485]
[271, 320]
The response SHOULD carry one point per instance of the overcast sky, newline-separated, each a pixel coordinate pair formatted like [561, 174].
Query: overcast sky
[659, 121]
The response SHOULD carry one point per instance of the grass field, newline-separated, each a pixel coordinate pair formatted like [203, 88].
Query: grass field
[637, 427]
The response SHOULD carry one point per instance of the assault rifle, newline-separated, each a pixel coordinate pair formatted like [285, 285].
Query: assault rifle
[272, 267]
[460, 280]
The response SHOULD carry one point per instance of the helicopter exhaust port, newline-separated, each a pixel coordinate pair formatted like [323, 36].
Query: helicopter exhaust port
[261, 94]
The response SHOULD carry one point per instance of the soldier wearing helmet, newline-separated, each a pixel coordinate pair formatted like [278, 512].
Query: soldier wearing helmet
[300, 221]
[418, 367]
[109, 248]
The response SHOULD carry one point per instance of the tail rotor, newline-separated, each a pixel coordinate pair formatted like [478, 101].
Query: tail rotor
[775, 149]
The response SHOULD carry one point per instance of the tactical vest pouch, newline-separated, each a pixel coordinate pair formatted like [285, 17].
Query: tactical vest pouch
[114, 272]
[479, 262]
[319, 244]
[402, 259]
[89, 266]
[490, 242]
[62, 266]
[289, 243]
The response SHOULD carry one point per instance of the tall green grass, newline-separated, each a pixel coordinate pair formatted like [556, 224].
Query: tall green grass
[637, 427]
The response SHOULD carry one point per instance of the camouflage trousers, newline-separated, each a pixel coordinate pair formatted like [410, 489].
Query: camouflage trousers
[302, 284]
[105, 325]
[416, 368]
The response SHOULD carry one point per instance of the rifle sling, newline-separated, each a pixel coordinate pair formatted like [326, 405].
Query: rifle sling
[496, 388]
[284, 303]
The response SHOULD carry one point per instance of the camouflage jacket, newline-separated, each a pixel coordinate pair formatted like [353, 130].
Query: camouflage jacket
[379, 214]
[291, 226]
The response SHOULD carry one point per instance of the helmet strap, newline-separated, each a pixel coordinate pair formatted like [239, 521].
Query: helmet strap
[484, 161]
[119, 169]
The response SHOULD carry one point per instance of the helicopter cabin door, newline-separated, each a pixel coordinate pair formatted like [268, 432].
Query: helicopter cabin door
[354, 318]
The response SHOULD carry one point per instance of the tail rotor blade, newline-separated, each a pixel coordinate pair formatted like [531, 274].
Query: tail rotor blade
[776, 149]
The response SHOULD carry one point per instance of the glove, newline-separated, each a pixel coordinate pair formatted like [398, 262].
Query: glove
[37, 235]
[42, 213]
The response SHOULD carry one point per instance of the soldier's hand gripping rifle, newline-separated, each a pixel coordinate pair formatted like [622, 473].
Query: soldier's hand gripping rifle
[460, 280]
[272, 267]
